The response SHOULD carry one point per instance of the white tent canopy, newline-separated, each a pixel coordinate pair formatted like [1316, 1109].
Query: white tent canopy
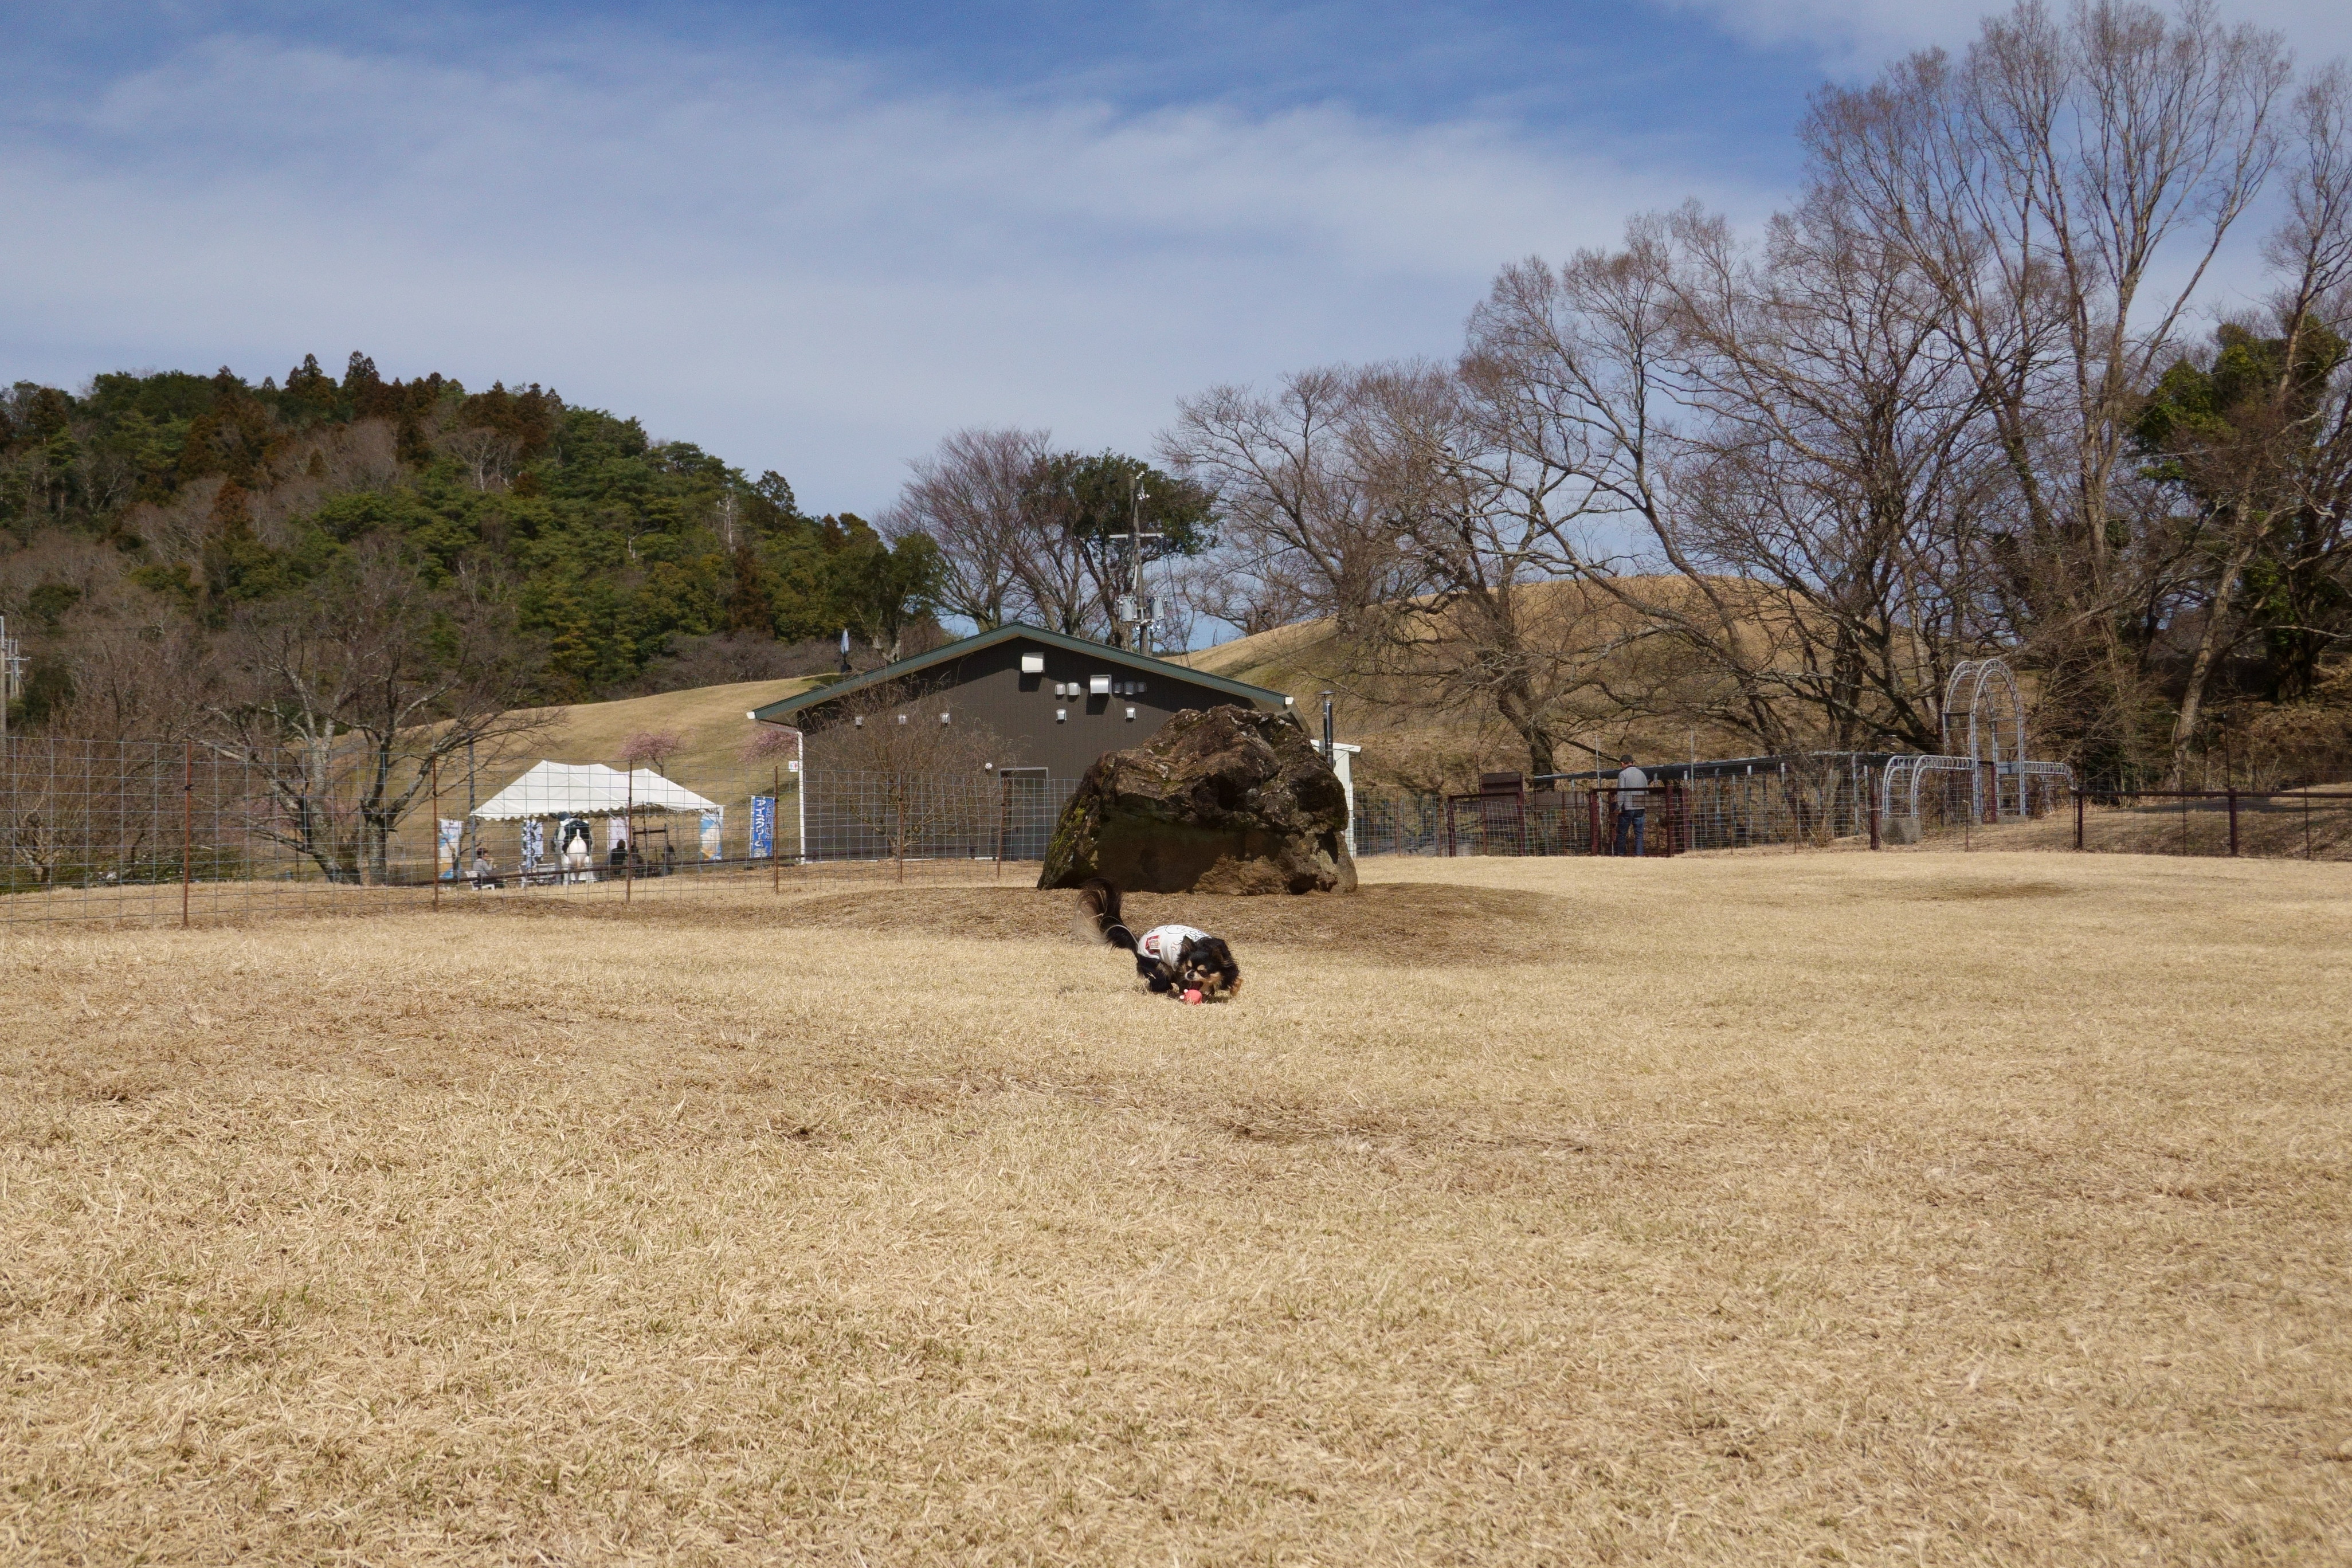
[588, 789]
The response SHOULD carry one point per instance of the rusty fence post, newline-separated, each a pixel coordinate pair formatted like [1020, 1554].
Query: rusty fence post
[1874, 812]
[776, 829]
[2078, 816]
[188, 826]
[2233, 820]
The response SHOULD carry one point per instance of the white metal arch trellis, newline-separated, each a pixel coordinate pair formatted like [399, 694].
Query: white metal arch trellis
[1984, 710]
[1983, 735]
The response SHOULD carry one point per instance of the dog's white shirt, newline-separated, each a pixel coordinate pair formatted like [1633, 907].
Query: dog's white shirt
[1166, 944]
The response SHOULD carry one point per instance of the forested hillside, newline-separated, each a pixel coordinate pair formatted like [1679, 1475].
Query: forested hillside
[161, 528]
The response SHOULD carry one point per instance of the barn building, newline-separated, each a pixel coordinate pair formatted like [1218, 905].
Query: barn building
[1058, 701]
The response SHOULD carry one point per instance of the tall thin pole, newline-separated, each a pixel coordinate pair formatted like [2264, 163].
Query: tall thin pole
[1135, 556]
[776, 828]
[188, 826]
[434, 766]
[629, 839]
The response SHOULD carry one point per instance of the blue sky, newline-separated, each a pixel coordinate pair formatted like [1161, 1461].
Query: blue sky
[815, 238]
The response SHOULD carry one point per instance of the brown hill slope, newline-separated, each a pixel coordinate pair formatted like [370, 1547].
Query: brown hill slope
[1412, 739]
[709, 720]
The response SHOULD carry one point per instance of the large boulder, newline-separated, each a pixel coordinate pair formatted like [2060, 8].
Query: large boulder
[1226, 801]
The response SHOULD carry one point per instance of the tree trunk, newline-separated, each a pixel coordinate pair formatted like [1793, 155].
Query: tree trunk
[2210, 643]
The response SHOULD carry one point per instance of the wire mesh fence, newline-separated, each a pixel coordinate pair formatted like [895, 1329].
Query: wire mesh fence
[155, 831]
[2310, 824]
[176, 832]
[181, 832]
[1755, 803]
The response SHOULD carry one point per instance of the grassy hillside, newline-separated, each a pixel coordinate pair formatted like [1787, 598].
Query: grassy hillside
[1411, 739]
[709, 720]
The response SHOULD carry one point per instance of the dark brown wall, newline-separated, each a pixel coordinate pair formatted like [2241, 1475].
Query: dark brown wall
[987, 687]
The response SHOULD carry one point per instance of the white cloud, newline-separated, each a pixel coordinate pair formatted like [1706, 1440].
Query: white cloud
[1853, 36]
[792, 263]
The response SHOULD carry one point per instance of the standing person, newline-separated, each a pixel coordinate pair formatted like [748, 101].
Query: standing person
[1632, 805]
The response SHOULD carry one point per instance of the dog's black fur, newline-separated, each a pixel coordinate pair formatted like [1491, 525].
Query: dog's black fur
[1205, 965]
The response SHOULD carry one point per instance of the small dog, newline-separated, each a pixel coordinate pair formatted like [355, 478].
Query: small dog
[1174, 960]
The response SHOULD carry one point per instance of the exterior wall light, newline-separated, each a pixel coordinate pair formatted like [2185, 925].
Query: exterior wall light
[1033, 664]
[1130, 713]
[1061, 715]
[1098, 685]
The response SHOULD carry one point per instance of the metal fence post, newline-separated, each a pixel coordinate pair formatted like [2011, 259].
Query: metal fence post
[2078, 816]
[629, 842]
[187, 827]
[776, 829]
[1874, 812]
[2233, 820]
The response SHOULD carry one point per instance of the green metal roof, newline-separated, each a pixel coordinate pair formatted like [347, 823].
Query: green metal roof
[1256, 696]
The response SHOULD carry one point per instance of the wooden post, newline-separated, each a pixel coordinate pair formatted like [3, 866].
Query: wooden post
[2233, 820]
[187, 827]
[2078, 816]
[1873, 811]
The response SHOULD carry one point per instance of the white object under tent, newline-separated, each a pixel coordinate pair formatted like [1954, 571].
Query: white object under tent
[588, 789]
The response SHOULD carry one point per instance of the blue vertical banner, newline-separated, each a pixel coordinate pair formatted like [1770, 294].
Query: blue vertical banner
[763, 826]
[714, 825]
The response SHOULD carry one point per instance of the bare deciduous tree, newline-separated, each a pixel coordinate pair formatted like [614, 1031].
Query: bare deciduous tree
[1296, 512]
[342, 700]
[971, 497]
[899, 771]
[2064, 190]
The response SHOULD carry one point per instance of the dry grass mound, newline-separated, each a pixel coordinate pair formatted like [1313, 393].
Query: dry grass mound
[1405, 924]
[1812, 1208]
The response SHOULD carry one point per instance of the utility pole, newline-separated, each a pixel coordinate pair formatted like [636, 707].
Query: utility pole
[1139, 616]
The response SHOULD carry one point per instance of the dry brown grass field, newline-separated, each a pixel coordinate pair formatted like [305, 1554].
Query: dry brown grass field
[1917, 1208]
